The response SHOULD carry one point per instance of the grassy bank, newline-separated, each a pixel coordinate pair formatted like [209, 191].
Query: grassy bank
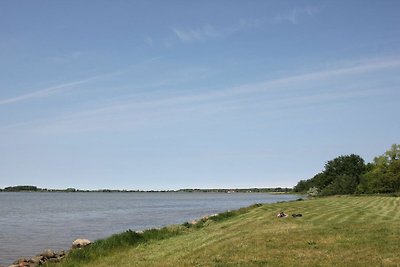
[341, 231]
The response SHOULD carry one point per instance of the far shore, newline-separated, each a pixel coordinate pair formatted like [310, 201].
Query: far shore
[29, 188]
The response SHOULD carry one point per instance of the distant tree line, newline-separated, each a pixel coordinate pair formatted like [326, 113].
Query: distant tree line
[350, 175]
[21, 188]
[29, 188]
[241, 190]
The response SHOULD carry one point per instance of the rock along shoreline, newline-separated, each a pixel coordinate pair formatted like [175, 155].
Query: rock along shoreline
[49, 255]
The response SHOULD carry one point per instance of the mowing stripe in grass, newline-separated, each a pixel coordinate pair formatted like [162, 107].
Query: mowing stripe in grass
[342, 231]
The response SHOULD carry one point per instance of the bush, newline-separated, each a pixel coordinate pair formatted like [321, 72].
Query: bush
[313, 191]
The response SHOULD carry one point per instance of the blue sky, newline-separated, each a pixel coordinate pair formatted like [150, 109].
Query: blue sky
[193, 94]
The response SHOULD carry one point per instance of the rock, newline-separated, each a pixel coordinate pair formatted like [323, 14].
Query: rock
[22, 262]
[19, 260]
[36, 259]
[62, 253]
[48, 253]
[80, 243]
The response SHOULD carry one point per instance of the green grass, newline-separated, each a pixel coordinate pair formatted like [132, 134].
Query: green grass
[334, 231]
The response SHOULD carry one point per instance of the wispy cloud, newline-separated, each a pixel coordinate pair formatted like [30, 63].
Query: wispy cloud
[296, 14]
[194, 35]
[59, 88]
[208, 31]
[45, 92]
[291, 92]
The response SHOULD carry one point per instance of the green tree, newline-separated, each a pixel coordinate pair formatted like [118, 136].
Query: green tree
[383, 175]
[393, 154]
[340, 176]
[342, 184]
[352, 165]
[343, 174]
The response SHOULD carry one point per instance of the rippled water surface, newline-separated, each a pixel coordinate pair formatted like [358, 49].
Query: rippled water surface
[31, 222]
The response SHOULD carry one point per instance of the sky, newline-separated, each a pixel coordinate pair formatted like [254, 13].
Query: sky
[156, 95]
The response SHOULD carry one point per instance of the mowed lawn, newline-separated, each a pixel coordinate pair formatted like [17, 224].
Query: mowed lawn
[334, 231]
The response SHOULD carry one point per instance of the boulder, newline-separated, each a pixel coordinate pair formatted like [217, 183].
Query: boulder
[61, 253]
[20, 260]
[80, 243]
[21, 263]
[48, 253]
[36, 259]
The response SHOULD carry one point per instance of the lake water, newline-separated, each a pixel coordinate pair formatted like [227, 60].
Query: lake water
[32, 222]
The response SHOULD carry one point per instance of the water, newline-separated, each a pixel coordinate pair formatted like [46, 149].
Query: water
[32, 222]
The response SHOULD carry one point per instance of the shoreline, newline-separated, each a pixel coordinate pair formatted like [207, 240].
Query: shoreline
[311, 233]
[63, 237]
[198, 222]
[51, 256]
[255, 236]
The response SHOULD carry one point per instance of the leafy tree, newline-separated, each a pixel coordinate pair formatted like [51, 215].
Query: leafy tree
[342, 184]
[393, 154]
[384, 175]
[343, 174]
[349, 174]
[340, 176]
[352, 165]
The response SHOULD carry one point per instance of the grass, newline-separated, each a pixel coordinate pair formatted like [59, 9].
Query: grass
[334, 231]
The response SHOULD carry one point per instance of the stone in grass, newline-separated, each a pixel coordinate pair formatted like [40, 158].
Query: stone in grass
[80, 243]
